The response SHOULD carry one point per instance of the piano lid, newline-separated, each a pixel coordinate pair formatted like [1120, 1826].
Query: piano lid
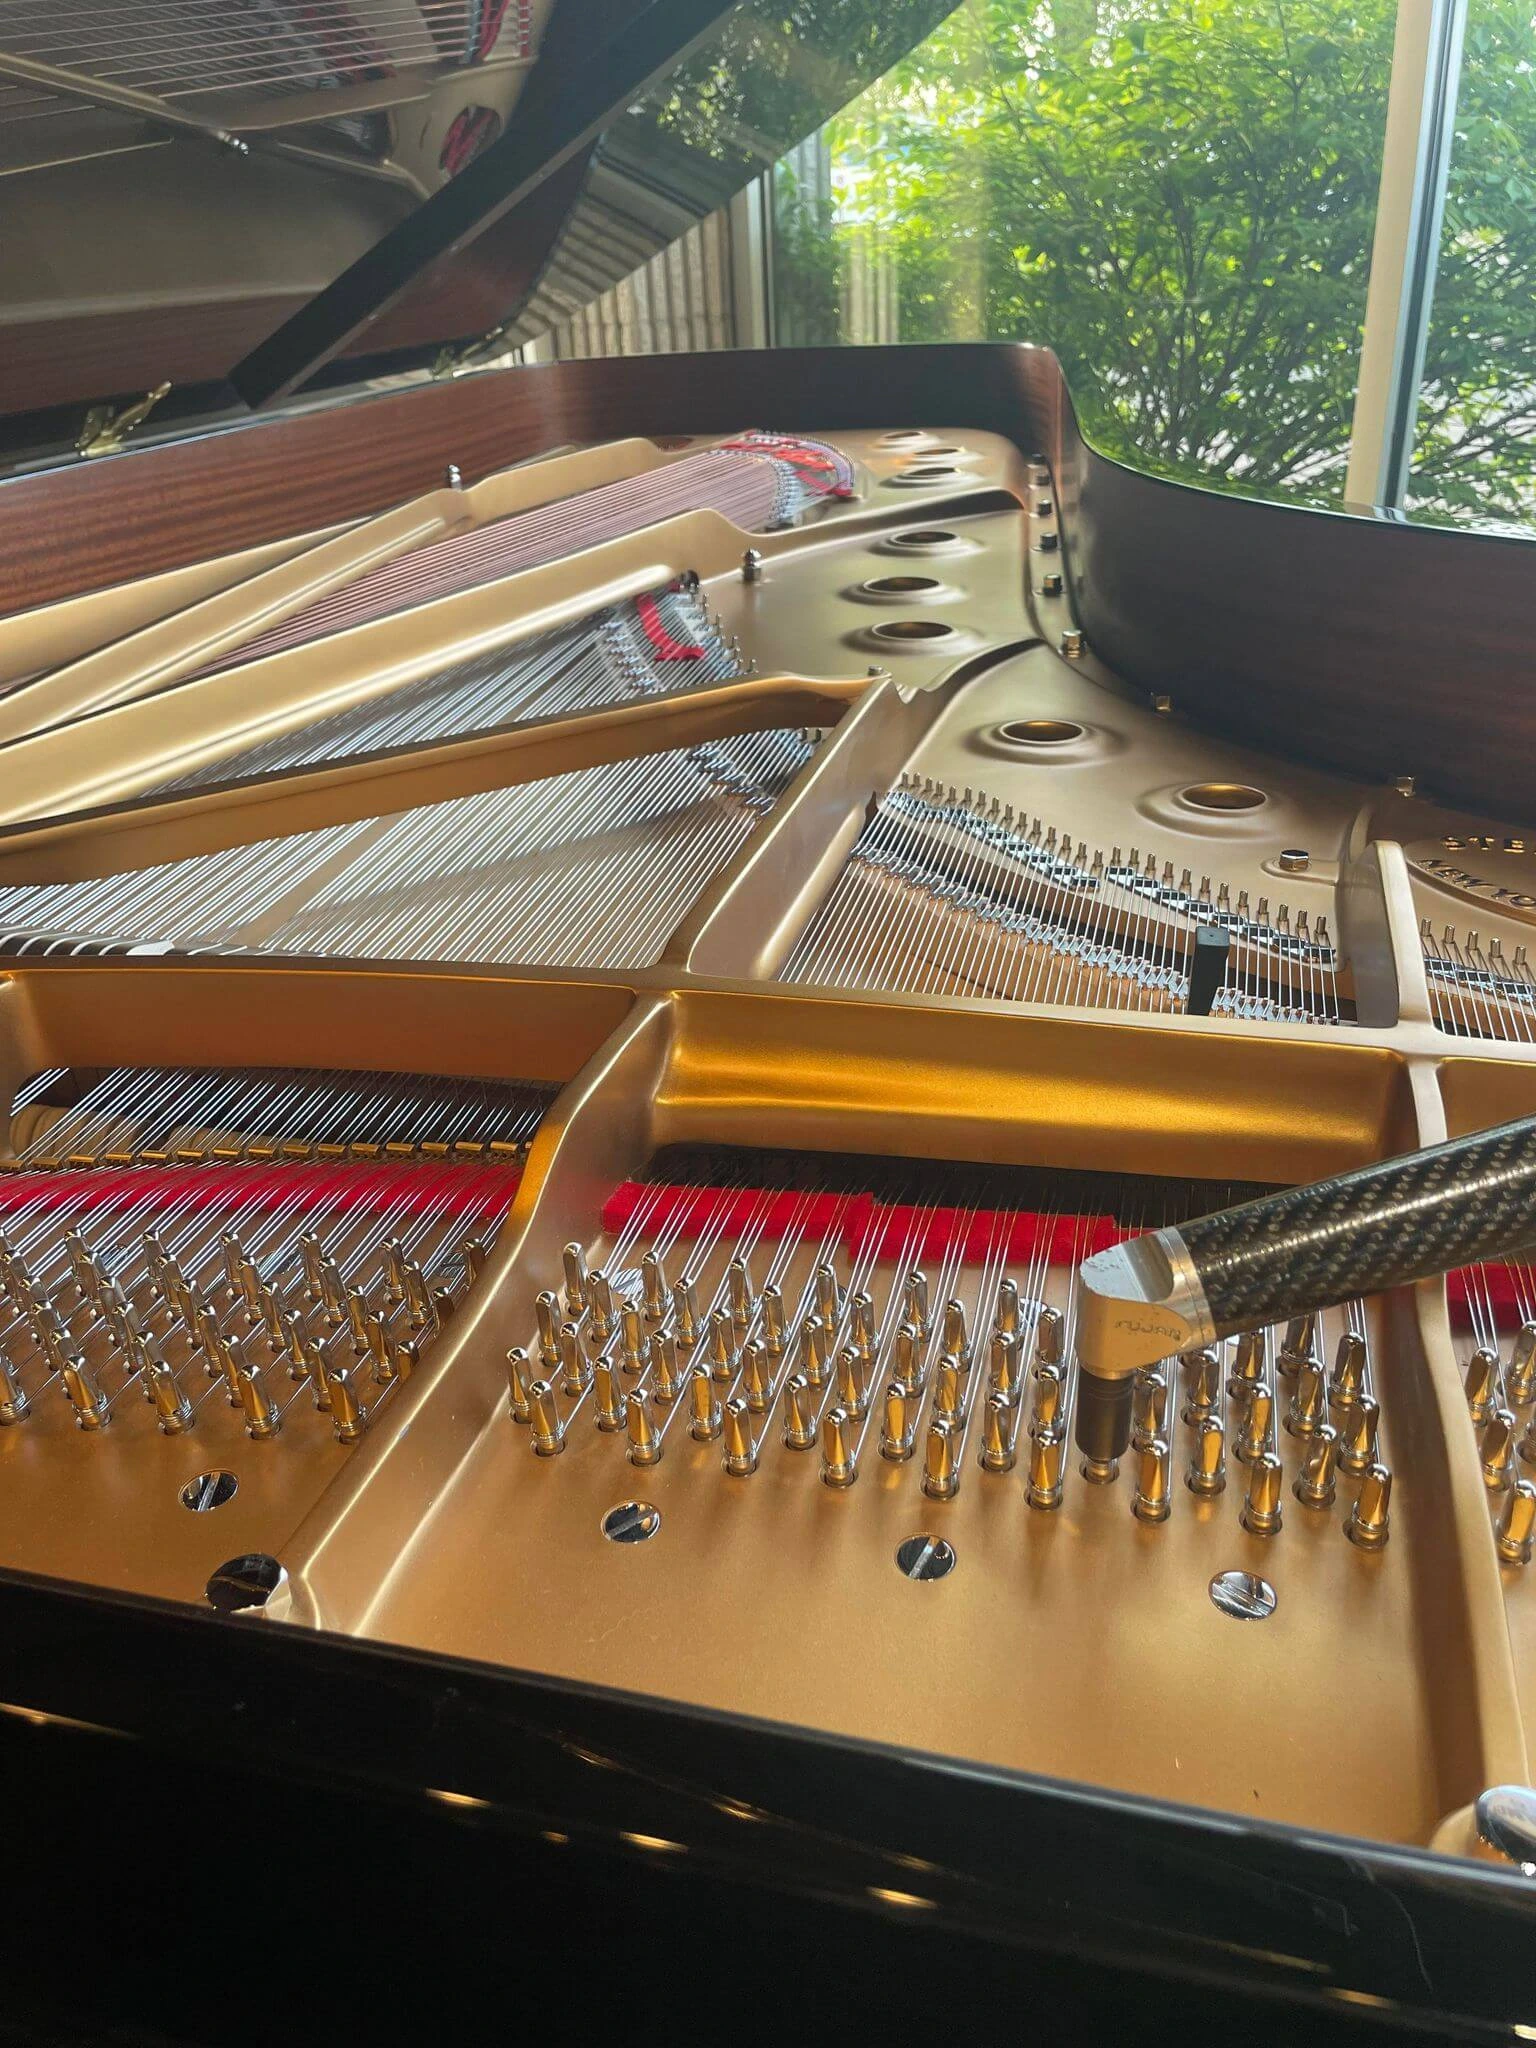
[237, 198]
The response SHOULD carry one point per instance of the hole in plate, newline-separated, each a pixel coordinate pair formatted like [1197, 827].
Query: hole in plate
[632, 1521]
[243, 1582]
[900, 586]
[925, 1557]
[1244, 1596]
[920, 537]
[926, 472]
[1222, 796]
[899, 434]
[1040, 732]
[209, 1490]
[912, 629]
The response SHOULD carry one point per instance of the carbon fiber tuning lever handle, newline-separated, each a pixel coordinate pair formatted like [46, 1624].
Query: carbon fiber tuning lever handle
[1305, 1248]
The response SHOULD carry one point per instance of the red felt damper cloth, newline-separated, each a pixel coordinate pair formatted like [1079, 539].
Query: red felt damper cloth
[466, 1192]
[1495, 1285]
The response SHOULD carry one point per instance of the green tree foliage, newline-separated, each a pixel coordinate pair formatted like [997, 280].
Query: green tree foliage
[1179, 196]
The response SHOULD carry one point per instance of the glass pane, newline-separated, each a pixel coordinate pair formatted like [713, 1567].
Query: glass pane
[1475, 449]
[1178, 196]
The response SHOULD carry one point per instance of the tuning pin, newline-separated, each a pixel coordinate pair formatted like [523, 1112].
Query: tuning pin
[799, 1416]
[955, 1343]
[1370, 1519]
[722, 1354]
[631, 1335]
[947, 1388]
[1517, 1524]
[703, 1405]
[895, 1424]
[1247, 1362]
[609, 1396]
[813, 1350]
[1047, 1458]
[739, 1452]
[1253, 1438]
[685, 1307]
[1202, 1384]
[664, 1366]
[1482, 1384]
[1520, 1380]
[575, 1264]
[574, 1370]
[1049, 1335]
[861, 1330]
[941, 1464]
[173, 1411]
[600, 1302]
[85, 1394]
[738, 1280]
[1348, 1377]
[1206, 1473]
[852, 1390]
[1149, 1408]
[914, 1301]
[1296, 1346]
[829, 1296]
[14, 1405]
[998, 1420]
[1308, 1409]
[1263, 1508]
[1047, 1395]
[644, 1446]
[547, 1308]
[908, 1366]
[262, 1418]
[653, 1288]
[349, 1418]
[1006, 1320]
[756, 1377]
[1357, 1443]
[1498, 1450]
[839, 1463]
[1150, 1502]
[773, 1320]
[1003, 1362]
[1315, 1484]
[1525, 1450]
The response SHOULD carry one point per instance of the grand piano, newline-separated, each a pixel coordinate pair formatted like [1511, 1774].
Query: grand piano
[767, 1141]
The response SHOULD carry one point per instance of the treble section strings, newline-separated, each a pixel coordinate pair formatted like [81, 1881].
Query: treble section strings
[951, 894]
[592, 868]
[757, 482]
[668, 640]
[1475, 990]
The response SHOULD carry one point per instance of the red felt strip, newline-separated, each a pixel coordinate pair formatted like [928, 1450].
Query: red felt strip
[667, 648]
[1494, 1285]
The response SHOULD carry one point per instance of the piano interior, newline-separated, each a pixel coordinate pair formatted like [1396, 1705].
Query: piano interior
[562, 1044]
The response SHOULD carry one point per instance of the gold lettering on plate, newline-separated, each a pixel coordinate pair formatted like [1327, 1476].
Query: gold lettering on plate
[1473, 884]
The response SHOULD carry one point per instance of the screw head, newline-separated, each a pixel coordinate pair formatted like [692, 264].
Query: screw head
[1294, 860]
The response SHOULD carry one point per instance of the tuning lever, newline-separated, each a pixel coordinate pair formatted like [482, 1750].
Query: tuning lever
[1304, 1248]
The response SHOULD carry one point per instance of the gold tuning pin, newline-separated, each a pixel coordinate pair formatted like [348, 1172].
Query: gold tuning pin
[852, 1390]
[547, 1308]
[644, 1444]
[1520, 1380]
[1047, 1393]
[1247, 1362]
[839, 1462]
[349, 1418]
[722, 1347]
[1050, 1336]
[861, 1330]
[1347, 1380]
[1263, 1507]
[1006, 1319]
[1316, 1483]
[574, 1370]
[829, 1297]
[1003, 1362]
[909, 1369]
[799, 1414]
[262, 1417]
[739, 1452]
[1498, 1450]
[1207, 1470]
[1307, 1411]
[813, 1350]
[653, 1287]
[14, 1405]
[1370, 1519]
[738, 1280]
[1253, 1438]
[1151, 1502]
[85, 1394]
[685, 1311]
[998, 1421]
[756, 1377]
[1482, 1384]
[173, 1411]
[896, 1424]
[956, 1344]
[1047, 1461]
[600, 1302]
[773, 1320]
[947, 1388]
[914, 1301]
[1149, 1408]
[1357, 1441]
[704, 1406]
[609, 1396]
[664, 1365]
[1297, 1344]
[1517, 1524]
[631, 1335]
[519, 1372]
[544, 1420]
[575, 1263]
[941, 1464]
[1202, 1385]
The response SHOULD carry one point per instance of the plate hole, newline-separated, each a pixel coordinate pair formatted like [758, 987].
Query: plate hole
[1244, 1596]
[926, 472]
[209, 1490]
[632, 1521]
[912, 629]
[243, 1582]
[1223, 796]
[1040, 732]
[901, 586]
[925, 1557]
[899, 434]
[924, 537]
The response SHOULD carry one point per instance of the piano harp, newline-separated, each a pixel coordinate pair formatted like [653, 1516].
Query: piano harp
[587, 952]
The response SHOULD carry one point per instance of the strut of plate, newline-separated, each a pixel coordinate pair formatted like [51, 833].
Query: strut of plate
[950, 893]
[929, 1326]
[595, 868]
[1496, 1304]
[271, 1240]
[665, 641]
[1474, 990]
[758, 481]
